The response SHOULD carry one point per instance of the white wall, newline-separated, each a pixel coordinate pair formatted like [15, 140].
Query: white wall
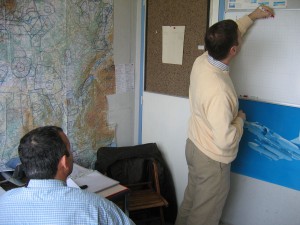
[251, 202]
[254, 202]
[165, 121]
[122, 106]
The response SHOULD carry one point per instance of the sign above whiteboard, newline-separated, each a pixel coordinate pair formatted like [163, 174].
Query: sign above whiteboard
[252, 4]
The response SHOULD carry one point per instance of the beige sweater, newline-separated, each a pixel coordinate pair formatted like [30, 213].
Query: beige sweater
[213, 125]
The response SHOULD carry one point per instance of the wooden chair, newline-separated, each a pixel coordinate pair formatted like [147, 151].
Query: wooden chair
[148, 197]
[134, 164]
[144, 187]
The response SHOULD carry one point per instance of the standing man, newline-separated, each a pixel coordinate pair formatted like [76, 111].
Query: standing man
[215, 124]
[47, 161]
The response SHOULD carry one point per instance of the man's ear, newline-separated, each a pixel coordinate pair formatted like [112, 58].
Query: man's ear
[63, 168]
[233, 50]
[64, 161]
[63, 164]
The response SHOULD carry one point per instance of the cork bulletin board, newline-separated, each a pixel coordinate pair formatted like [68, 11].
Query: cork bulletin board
[172, 79]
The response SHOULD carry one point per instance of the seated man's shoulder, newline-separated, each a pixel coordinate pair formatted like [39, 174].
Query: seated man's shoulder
[10, 194]
[82, 195]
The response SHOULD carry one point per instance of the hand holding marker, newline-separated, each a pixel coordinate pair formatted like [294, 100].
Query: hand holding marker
[265, 9]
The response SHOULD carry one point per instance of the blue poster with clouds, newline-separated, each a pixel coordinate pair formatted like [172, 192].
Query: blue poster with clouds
[270, 147]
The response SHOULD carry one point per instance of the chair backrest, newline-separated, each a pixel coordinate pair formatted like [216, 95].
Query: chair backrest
[132, 171]
[156, 178]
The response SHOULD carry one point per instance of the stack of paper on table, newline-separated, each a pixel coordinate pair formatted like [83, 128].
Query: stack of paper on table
[94, 180]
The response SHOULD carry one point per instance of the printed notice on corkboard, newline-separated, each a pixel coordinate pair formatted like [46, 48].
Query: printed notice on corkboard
[171, 78]
[172, 50]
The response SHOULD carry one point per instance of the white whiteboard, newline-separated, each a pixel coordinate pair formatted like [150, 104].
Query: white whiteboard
[268, 66]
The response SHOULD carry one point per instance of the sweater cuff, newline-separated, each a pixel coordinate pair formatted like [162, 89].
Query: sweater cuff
[244, 23]
[241, 120]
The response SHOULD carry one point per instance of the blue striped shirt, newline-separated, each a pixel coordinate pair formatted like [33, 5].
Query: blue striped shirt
[52, 202]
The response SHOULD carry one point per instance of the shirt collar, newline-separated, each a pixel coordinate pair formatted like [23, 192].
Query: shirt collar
[218, 64]
[46, 183]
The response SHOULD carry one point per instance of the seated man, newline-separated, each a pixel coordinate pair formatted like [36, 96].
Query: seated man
[47, 160]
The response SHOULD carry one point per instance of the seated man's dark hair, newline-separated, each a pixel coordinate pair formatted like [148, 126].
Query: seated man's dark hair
[220, 37]
[40, 151]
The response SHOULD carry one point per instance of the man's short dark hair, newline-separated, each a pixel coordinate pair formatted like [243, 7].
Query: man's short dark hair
[40, 151]
[220, 37]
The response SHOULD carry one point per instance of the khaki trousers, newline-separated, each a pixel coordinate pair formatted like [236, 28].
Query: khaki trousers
[206, 191]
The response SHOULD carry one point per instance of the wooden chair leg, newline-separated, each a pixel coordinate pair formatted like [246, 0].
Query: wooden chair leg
[162, 218]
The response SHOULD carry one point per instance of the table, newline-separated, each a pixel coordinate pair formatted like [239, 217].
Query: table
[117, 193]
